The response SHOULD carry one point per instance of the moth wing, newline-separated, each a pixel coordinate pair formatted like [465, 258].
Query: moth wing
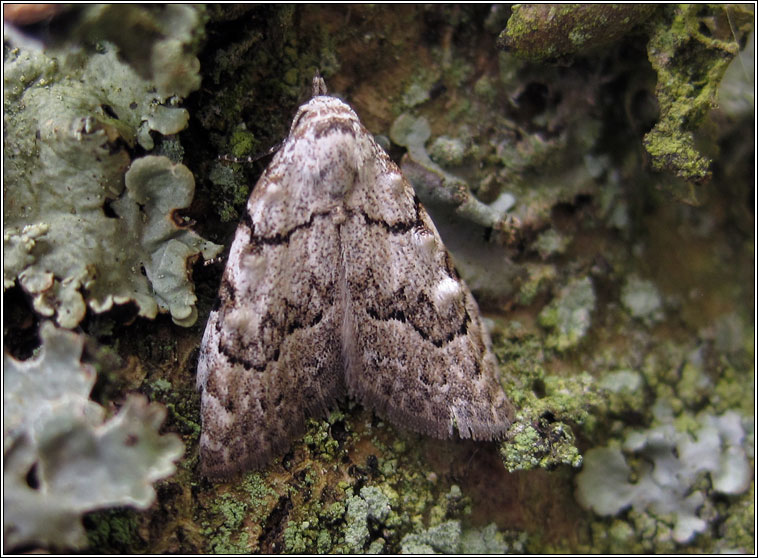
[258, 382]
[416, 349]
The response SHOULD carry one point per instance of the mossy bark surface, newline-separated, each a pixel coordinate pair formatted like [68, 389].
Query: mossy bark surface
[619, 281]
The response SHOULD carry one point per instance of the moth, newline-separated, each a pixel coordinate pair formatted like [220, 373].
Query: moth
[337, 283]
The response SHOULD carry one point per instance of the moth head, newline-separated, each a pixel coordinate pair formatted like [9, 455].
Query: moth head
[324, 113]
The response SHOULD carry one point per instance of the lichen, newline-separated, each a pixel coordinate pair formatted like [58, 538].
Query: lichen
[569, 315]
[487, 540]
[157, 188]
[432, 183]
[668, 466]
[624, 391]
[444, 538]
[690, 49]
[641, 298]
[447, 151]
[538, 279]
[554, 147]
[550, 243]
[232, 524]
[78, 237]
[371, 505]
[62, 458]
[552, 32]
[549, 406]
[671, 484]
[160, 44]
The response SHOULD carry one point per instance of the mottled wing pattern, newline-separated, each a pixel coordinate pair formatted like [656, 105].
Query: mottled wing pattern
[416, 349]
[271, 353]
[337, 280]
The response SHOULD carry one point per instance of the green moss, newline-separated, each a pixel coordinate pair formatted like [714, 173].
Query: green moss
[161, 385]
[114, 531]
[232, 190]
[732, 387]
[690, 63]
[518, 453]
[243, 143]
[549, 444]
[551, 31]
[319, 437]
[170, 147]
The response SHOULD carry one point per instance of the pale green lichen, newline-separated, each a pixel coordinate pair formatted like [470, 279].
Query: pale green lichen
[487, 540]
[444, 538]
[625, 391]
[569, 315]
[160, 188]
[64, 177]
[17, 249]
[415, 94]
[668, 466]
[233, 520]
[641, 298]
[550, 243]
[541, 435]
[371, 505]
[447, 151]
[448, 537]
[158, 41]
[539, 278]
[395, 502]
[230, 538]
[54, 434]
[434, 185]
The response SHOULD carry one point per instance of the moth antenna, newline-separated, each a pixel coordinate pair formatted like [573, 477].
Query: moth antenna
[252, 158]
